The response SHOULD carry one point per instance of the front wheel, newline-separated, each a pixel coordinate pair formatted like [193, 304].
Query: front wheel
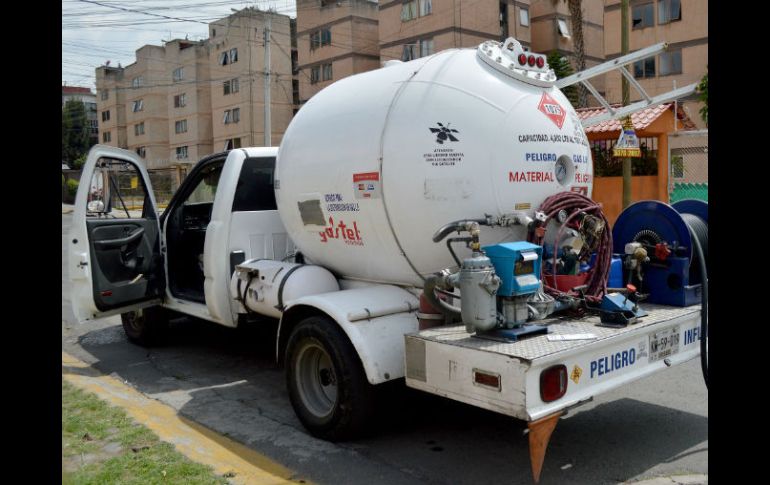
[147, 326]
[327, 384]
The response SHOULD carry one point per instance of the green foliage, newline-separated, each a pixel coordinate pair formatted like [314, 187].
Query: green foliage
[75, 131]
[562, 68]
[703, 95]
[72, 187]
[77, 164]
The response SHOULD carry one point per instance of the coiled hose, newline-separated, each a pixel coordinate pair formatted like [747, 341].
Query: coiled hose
[700, 238]
[577, 203]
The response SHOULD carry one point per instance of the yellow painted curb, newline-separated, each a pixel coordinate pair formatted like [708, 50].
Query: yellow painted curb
[241, 464]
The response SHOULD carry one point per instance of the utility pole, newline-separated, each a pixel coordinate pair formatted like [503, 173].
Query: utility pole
[625, 94]
[268, 128]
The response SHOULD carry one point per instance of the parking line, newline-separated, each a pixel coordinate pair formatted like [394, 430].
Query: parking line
[225, 456]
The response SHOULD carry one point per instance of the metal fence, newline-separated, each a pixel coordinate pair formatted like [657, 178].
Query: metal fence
[688, 166]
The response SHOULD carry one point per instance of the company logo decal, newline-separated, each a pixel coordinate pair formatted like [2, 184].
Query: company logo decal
[444, 133]
[552, 109]
[351, 235]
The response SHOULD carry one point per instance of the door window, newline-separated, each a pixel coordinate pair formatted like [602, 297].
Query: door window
[116, 190]
[206, 189]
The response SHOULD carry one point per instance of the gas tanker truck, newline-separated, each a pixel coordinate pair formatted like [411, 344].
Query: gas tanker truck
[427, 221]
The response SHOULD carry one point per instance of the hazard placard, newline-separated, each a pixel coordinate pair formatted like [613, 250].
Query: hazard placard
[552, 109]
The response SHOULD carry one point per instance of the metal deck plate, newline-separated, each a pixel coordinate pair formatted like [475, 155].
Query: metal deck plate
[539, 346]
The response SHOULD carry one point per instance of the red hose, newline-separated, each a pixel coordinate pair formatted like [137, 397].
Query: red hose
[575, 203]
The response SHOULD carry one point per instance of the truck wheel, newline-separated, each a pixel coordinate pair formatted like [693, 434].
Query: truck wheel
[146, 327]
[326, 381]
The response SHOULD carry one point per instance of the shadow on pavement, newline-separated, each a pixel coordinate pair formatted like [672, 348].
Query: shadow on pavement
[227, 380]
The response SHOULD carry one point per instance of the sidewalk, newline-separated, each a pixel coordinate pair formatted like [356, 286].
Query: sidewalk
[67, 208]
[673, 480]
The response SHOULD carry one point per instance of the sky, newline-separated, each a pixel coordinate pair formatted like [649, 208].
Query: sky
[96, 31]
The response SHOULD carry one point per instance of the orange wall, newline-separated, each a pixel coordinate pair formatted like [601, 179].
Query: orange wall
[609, 191]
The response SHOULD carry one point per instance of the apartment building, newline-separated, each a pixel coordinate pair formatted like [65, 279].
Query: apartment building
[416, 28]
[334, 40]
[681, 23]
[88, 98]
[188, 101]
[111, 106]
[243, 47]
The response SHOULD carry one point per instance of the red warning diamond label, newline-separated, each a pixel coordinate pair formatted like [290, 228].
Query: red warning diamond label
[552, 110]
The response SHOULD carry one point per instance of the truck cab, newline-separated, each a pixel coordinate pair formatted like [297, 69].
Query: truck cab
[128, 255]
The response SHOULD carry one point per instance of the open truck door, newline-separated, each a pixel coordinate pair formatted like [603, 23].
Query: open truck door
[115, 260]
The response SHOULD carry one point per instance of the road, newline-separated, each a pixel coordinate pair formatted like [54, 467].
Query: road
[227, 380]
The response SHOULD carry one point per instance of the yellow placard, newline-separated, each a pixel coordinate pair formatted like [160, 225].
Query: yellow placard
[134, 182]
[627, 152]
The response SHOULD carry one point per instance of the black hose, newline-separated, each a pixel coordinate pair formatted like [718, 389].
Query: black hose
[445, 308]
[452, 251]
[450, 227]
[704, 303]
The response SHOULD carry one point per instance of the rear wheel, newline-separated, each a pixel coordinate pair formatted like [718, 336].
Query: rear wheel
[146, 327]
[327, 384]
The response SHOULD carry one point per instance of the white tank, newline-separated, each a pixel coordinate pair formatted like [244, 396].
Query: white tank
[374, 164]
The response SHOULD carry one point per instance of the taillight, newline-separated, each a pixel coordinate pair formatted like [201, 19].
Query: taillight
[522, 59]
[553, 383]
[540, 62]
[531, 61]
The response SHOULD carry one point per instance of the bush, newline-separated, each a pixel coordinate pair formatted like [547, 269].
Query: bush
[72, 187]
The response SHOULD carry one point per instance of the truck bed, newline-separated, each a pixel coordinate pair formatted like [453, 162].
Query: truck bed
[444, 360]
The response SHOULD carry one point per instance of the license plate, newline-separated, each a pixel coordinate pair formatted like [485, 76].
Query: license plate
[664, 343]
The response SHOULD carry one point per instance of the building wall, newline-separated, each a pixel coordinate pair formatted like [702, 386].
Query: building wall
[244, 31]
[110, 80]
[690, 34]
[354, 46]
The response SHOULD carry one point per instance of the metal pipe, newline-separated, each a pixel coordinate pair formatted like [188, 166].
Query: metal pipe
[431, 283]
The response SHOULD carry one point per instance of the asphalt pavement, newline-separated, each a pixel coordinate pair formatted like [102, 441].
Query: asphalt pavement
[654, 430]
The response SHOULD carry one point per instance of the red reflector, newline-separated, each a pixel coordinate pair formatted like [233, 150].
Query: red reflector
[531, 60]
[107, 293]
[486, 379]
[540, 62]
[553, 383]
[522, 59]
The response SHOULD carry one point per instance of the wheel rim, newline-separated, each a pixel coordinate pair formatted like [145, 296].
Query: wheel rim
[316, 379]
[136, 321]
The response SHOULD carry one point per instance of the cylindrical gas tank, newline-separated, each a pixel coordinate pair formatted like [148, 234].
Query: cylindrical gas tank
[374, 164]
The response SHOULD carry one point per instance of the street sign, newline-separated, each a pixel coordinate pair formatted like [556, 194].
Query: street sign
[628, 143]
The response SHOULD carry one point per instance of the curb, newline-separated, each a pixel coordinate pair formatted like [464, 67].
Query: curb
[228, 458]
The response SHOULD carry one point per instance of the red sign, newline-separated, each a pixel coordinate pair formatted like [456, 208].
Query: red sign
[359, 177]
[552, 109]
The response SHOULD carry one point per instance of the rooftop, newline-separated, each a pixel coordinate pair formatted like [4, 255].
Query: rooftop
[641, 119]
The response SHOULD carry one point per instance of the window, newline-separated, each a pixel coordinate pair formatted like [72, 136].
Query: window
[669, 11]
[137, 82]
[320, 38]
[223, 58]
[327, 72]
[670, 63]
[106, 115]
[426, 7]
[118, 189]
[178, 74]
[233, 55]
[315, 74]
[137, 105]
[232, 143]
[106, 137]
[409, 52]
[139, 129]
[213, 32]
[255, 190]
[426, 47]
[206, 189]
[563, 29]
[644, 68]
[105, 94]
[524, 17]
[141, 151]
[180, 126]
[230, 86]
[180, 100]
[642, 16]
[409, 10]
[677, 166]
[181, 153]
[232, 116]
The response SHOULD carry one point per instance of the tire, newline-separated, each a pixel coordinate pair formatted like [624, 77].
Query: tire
[147, 327]
[327, 384]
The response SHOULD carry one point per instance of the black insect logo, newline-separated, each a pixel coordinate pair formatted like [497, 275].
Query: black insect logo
[444, 133]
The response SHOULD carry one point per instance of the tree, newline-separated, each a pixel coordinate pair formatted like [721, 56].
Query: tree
[703, 95]
[576, 20]
[562, 68]
[75, 131]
